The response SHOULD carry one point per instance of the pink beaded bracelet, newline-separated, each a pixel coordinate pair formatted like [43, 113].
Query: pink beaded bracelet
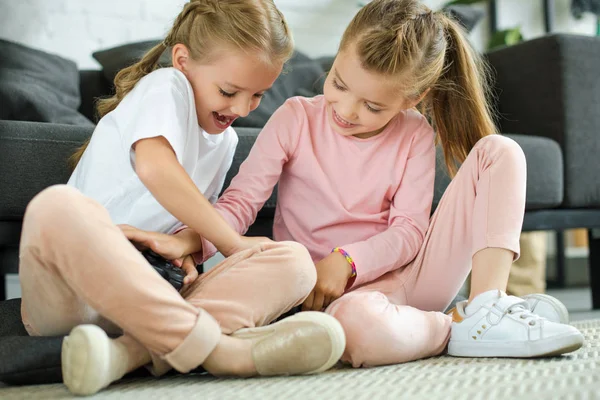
[348, 258]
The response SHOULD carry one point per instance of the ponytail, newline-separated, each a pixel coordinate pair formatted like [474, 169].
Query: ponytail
[458, 102]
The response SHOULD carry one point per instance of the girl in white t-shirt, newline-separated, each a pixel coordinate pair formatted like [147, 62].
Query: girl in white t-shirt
[157, 159]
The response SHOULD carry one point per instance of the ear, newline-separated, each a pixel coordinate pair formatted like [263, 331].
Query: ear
[180, 55]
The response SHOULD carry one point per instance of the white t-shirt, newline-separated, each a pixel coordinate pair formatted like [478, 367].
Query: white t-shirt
[161, 104]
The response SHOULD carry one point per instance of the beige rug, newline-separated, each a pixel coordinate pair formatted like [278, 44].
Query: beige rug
[575, 376]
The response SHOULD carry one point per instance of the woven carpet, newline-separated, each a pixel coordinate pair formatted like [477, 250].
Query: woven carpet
[574, 376]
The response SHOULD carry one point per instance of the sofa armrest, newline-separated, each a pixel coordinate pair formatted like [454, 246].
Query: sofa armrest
[33, 156]
[551, 87]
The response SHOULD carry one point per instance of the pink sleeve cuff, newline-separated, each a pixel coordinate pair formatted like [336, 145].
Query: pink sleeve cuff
[208, 249]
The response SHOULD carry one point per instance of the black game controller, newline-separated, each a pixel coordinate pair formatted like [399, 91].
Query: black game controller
[165, 269]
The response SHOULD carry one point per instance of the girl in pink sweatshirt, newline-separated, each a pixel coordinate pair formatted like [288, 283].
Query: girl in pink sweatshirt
[356, 170]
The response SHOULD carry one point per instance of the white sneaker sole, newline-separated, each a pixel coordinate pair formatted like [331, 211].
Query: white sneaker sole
[548, 347]
[332, 326]
[84, 359]
[563, 313]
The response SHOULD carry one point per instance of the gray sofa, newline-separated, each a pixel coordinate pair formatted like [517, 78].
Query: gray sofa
[548, 97]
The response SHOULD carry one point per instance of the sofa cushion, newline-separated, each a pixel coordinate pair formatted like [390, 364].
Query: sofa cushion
[10, 315]
[34, 156]
[555, 92]
[38, 86]
[545, 171]
[116, 58]
[25, 359]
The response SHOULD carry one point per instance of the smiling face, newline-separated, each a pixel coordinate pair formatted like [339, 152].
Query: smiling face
[228, 86]
[360, 103]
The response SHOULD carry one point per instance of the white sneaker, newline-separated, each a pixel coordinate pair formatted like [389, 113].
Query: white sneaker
[496, 325]
[90, 361]
[548, 307]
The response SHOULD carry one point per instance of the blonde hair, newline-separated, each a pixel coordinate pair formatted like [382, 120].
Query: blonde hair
[427, 50]
[252, 26]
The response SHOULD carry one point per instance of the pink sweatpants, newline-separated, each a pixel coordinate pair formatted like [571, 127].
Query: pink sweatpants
[77, 267]
[398, 318]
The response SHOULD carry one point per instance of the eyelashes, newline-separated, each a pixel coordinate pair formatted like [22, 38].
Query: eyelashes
[343, 89]
[230, 95]
[337, 85]
[226, 94]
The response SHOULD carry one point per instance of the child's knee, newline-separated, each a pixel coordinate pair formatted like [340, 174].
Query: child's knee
[55, 212]
[54, 203]
[295, 250]
[502, 146]
[360, 315]
[370, 321]
[299, 265]
[356, 311]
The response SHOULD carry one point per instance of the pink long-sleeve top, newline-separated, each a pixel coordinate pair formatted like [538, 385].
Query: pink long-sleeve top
[371, 197]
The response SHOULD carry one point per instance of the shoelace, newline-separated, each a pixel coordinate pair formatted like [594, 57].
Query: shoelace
[523, 311]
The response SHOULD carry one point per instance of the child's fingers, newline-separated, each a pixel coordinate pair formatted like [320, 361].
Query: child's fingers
[135, 235]
[150, 240]
[130, 232]
[125, 227]
[178, 262]
[189, 267]
[157, 247]
[318, 301]
[307, 305]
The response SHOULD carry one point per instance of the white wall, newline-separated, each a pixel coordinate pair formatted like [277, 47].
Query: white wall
[76, 28]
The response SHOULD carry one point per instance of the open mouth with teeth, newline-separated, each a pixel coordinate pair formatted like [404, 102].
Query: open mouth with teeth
[222, 121]
[342, 123]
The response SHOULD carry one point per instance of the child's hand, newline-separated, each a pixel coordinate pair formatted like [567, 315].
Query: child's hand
[333, 273]
[168, 246]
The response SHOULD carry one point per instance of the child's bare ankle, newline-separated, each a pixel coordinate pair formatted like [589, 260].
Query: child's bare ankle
[231, 357]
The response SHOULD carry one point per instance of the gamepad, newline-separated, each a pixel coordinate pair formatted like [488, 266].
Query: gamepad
[171, 273]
